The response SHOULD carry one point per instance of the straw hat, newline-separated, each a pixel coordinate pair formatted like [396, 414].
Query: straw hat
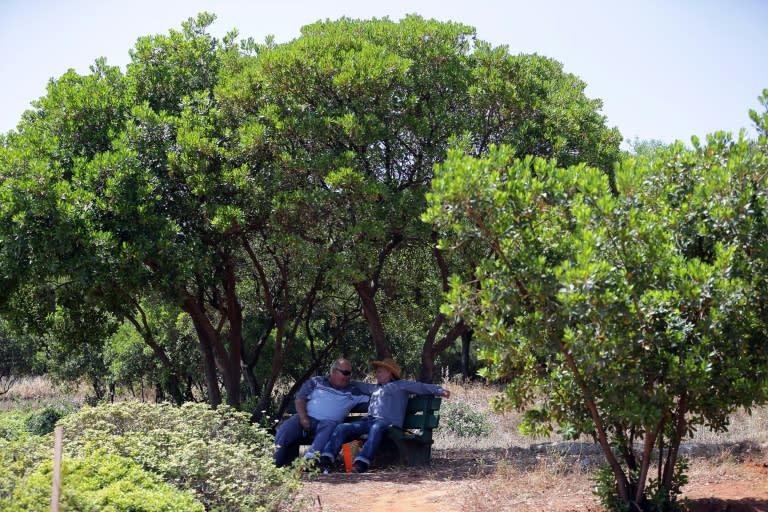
[390, 365]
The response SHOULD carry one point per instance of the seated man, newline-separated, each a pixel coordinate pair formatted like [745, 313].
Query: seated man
[321, 404]
[389, 399]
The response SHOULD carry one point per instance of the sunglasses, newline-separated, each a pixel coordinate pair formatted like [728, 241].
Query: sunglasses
[345, 373]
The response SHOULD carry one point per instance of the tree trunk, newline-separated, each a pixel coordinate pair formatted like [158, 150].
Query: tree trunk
[674, 446]
[466, 362]
[249, 365]
[172, 382]
[431, 349]
[427, 372]
[648, 443]
[234, 315]
[142, 326]
[278, 359]
[209, 369]
[366, 293]
[622, 483]
[207, 339]
[227, 358]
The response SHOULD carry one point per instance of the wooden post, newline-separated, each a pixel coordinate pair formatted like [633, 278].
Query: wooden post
[58, 433]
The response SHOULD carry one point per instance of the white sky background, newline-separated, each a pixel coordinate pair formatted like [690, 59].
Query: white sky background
[665, 70]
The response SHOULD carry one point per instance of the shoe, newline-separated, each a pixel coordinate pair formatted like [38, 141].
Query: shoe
[326, 465]
[359, 467]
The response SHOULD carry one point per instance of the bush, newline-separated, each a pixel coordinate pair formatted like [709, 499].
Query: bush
[101, 481]
[460, 419]
[217, 454]
[43, 421]
[20, 454]
[12, 424]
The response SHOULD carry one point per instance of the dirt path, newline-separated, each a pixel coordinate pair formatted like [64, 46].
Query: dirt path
[463, 485]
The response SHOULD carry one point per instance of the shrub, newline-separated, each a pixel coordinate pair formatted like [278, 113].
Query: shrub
[20, 453]
[43, 421]
[217, 454]
[101, 481]
[12, 424]
[460, 419]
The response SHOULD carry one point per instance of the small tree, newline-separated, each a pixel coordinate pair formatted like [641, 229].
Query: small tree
[635, 317]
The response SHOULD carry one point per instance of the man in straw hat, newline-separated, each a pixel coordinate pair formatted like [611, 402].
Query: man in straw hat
[386, 408]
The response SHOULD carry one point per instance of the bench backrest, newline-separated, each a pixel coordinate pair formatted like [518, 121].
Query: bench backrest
[420, 413]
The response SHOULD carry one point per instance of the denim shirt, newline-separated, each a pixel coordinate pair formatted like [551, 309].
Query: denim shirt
[388, 401]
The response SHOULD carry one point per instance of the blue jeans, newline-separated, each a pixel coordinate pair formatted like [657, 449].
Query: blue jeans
[376, 428]
[290, 434]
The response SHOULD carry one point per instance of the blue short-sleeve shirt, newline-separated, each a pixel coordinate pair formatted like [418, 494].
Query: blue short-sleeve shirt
[325, 402]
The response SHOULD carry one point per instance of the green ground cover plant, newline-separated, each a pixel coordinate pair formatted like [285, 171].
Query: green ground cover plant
[145, 457]
[104, 482]
[463, 420]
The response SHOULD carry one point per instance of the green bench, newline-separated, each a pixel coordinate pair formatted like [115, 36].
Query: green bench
[410, 445]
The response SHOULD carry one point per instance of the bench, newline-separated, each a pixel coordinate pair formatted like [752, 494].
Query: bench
[413, 442]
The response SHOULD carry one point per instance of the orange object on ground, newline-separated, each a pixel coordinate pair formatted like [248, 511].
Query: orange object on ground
[346, 450]
[349, 451]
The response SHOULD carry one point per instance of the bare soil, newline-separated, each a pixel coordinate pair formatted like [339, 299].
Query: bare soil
[519, 480]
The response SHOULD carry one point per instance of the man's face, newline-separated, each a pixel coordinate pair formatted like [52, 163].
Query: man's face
[338, 378]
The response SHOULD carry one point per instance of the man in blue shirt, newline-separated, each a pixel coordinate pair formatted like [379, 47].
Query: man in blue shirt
[321, 404]
[386, 408]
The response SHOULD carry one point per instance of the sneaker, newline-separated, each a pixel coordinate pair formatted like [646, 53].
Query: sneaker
[359, 467]
[326, 465]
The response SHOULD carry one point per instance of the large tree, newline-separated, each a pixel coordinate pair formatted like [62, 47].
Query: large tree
[360, 111]
[271, 189]
[634, 316]
[140, 188]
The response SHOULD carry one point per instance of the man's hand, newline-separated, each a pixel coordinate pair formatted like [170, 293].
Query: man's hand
[301, 410]
[446, 393]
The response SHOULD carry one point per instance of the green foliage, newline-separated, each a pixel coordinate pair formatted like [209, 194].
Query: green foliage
[630, 311]
[761, 118]
[460, 419]
[12, 423]
[273, 186]
[605, 490]
[101, 481]
[44, 420]
[662, 499]
[20, 453]
[17, 356]
[216, 454]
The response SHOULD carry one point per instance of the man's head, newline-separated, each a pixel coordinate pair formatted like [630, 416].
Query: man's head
[341, 373]
[386, 370]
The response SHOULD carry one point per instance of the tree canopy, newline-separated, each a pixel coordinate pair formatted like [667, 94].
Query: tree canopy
[632, 317]
[270, 192]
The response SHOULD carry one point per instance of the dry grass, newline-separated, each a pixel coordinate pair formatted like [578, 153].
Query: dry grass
[745, 429]
[31, 393]
[529, 474]
[513, 488]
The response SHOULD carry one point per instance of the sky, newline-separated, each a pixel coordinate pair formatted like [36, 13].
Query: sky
[665, 70]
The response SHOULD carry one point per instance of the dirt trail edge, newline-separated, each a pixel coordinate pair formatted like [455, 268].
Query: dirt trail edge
[468, 482]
